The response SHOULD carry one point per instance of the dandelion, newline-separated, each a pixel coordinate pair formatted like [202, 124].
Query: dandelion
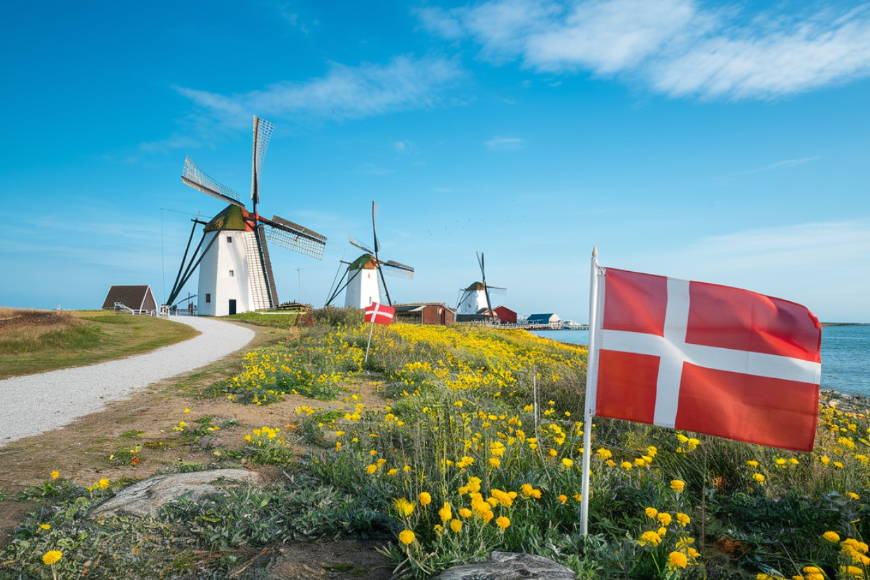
[55, 474]
[406, 537]
[678, 485]
[187, 410]
[51, 557]
[104, 484]
[445, 513]
[567, 463]
[45, 526]
[502, 522]
[649, 539]
[832, 537]
[424, 498]
[677, 560]
[372, 468]
[752, 463]
[758, 478]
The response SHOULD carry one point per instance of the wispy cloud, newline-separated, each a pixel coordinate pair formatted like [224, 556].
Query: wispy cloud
[345, 92]
[505, 143]
[676, 47]
[782, 164]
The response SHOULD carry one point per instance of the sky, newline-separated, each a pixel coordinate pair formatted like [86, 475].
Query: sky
[720, 142]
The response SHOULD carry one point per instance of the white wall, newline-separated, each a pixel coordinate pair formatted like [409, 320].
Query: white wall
[214, 275]
[363, 289]
[474, 301]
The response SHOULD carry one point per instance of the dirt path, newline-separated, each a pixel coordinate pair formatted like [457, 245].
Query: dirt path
[36, 404]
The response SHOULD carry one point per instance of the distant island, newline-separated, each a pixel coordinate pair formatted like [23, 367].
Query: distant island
[846, 324]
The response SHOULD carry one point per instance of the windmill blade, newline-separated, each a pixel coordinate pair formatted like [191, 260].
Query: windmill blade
[464, 293]
[383, 282]
[496, 290]
[359, 245]
[376, 207]
[397, 270]
[196, 179]
[480, 263]
[295, 237]
[262, 135]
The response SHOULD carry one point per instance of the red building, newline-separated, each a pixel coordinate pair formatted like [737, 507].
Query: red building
[506, 315]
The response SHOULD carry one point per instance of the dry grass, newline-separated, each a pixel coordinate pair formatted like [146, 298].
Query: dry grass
[34, 341]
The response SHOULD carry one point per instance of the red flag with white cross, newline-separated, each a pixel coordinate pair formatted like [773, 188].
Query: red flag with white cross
[701, 357]
[379, 313]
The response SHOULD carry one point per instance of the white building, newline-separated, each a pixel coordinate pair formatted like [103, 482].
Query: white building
[473, 300]
[363, 288]
[232, 273]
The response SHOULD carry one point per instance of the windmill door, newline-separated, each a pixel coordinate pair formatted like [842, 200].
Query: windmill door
[232, 307]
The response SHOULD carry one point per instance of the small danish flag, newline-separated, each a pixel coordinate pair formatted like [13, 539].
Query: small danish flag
[379, 313]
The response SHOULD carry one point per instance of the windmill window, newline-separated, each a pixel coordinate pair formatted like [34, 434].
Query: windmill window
[208, 298]
[232, 273]
[229, 239]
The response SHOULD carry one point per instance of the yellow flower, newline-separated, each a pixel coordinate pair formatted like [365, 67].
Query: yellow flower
[578, 497]
[372, 468]
[752, 463]
[403, 506]
[650, 539]
[465, 513]
[494, 461]
[445, 513]
[852, 571]
[406, 537]
[424, 498]
[187, 410]
[651, 512]
[626, 465]
[51, 557]
[104, 483]
[610, 463]
[853, 495]
[677, 485]
[45, 526]
[563, 498]
[455, 525]
[665, 518]
[55, 474]
[759, 478]
[604, 454]
[553, 453]
[502, 522]
[832, 537]
[677, 560]
[683, 519]
[567, 463]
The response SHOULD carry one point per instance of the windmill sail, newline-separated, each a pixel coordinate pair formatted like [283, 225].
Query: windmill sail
[295, 237]
[359, 245]
[262, 135]
[196, 179]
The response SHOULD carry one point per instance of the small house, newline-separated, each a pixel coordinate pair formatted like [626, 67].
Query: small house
[506, 315]
[425, 313]
[550, 319]
[133, 299]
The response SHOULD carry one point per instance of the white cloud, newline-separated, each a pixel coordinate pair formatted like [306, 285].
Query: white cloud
[344, 93]
[784, 163]
[677, 47]
[505, 143]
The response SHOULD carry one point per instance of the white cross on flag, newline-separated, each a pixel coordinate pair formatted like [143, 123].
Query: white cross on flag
[706, 358]
[379, 313]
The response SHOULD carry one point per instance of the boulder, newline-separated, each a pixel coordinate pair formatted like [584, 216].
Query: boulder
[509, 566]
[143, 499]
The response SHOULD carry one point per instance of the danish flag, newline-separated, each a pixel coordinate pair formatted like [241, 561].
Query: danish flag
[706, 358]
[379, 313]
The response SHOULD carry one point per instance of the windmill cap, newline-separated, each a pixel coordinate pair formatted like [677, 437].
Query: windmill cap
[234, 218]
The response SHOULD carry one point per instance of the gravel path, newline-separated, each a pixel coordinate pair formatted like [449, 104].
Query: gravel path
[38, 403]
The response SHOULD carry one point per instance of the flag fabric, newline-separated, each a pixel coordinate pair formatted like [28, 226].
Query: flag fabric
[706, 358]
[379, 313]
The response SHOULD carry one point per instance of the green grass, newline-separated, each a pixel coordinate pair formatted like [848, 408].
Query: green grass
[84, 338]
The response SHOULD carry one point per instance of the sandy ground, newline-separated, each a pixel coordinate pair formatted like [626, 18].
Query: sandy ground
[35, 404]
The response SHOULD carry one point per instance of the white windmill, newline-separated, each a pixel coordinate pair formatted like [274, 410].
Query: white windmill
[475, 298]
[235, 271]
[363, 278]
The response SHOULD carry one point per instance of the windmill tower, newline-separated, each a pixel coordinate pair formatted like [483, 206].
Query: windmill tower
[363, 278]
[235, 271]
[475, 298]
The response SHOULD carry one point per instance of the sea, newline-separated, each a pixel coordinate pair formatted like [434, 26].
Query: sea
[845, 355]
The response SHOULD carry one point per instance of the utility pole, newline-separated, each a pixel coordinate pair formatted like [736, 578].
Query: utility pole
[299, 295]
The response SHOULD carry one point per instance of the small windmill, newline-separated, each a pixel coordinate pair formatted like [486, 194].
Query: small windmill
[235, 271]
[364, 276]
[475, 298]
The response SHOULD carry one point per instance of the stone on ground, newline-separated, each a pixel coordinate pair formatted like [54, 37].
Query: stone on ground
[145, 498]
[509, 566]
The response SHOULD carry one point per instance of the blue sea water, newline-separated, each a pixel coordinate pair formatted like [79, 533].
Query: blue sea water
[845, 355]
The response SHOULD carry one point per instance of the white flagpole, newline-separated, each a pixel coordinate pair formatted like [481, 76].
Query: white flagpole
[372, 331]
[591, 378]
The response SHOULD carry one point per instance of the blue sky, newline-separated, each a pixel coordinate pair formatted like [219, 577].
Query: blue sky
[726, 143]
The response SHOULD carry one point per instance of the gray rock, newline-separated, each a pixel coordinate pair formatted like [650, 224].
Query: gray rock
[509, 566]
[143, 499]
